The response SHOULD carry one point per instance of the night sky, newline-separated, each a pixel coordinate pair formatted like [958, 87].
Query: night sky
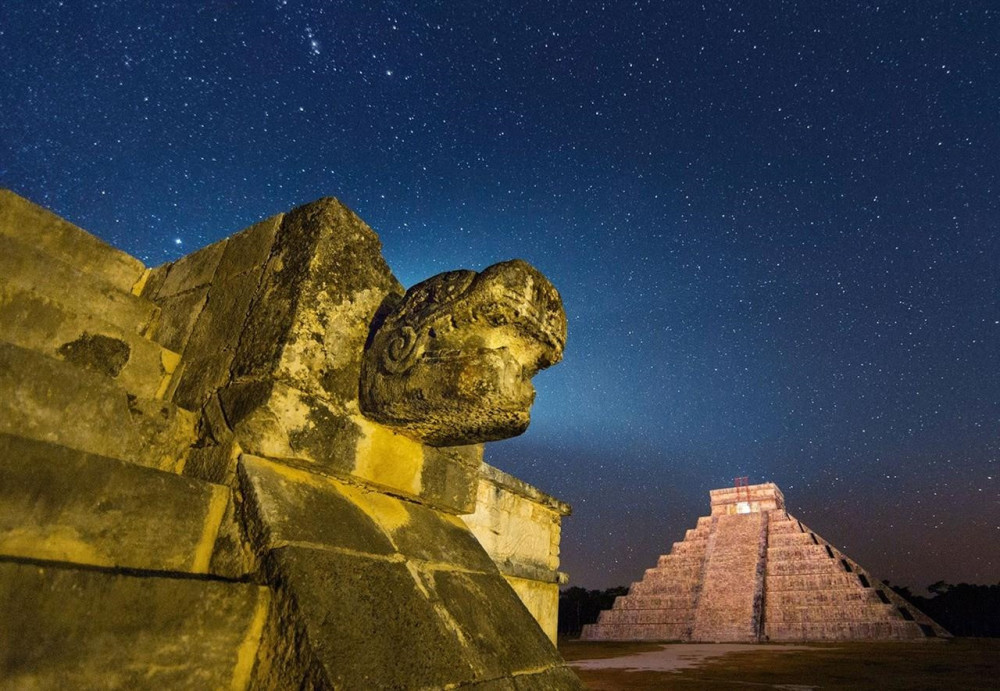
[775, 225]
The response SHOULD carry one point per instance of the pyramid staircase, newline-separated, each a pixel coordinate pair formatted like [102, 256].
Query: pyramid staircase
[751, 573]
[107, 551]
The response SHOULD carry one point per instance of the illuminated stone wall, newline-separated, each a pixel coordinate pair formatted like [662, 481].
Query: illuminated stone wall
[520, 527]
[190, 496]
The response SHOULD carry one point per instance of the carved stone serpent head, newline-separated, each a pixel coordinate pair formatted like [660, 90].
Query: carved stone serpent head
[451, 362]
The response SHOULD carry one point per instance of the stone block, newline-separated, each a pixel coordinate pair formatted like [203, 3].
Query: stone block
[50, 400]
[153, 281]
[58, 504]
[200, 378]
[273, 420]
[178, 315]
[39, 323]
[503, 636]
[60, 239]
[96, 629]
[285, 506]
[249, 249]
[213, 463]
[541, 599]
[323, 283]
[29, 268]
[192, 271]
[221, 322]
[365, 623]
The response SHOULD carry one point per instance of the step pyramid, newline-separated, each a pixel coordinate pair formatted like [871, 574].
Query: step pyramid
[750, 572]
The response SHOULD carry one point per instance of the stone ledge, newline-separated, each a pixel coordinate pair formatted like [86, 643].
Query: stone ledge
[88, 628]
[523, 489]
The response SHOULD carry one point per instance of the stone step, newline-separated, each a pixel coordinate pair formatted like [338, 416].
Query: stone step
[654, 601]
[59, 504]
[40, 323]
[806, 598]
[30, 224]
[806, 552]
[805, 566]
[839, 631]
[851, 612]
[779, 582]
[789, 526]
[676, 564]
[51, 400]
[789, 539]
[29, 268]
[665, 588]
[636, 632]
[663, 577]
[729, 592]
[674, 615]
[694, 548]
[89, 629]
[668, 560]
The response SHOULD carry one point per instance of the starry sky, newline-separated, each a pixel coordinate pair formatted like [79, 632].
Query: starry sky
[775, 225]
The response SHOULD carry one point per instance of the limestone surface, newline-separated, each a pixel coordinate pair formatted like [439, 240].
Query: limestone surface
[192, 497]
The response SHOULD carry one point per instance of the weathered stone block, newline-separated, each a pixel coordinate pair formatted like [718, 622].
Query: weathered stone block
[43, 398]
[213, 463]
[221, 322]
[273, 420]
[504, 636]
[367, 624]
[29, 268]
[323, 283]
[58, 238]
[249, 249]
[39, 323]
[541, 599]
[288, 506]
[95, 629]
[63, 505]
[179, 314]
[191, 271]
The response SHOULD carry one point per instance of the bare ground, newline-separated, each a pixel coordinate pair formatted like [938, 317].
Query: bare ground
[965, 663]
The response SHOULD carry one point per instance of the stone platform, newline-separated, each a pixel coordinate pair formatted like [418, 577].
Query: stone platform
[191, 496]
[749, 573]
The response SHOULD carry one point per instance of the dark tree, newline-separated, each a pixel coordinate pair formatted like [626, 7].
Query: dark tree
[579, 606]
[963, 609]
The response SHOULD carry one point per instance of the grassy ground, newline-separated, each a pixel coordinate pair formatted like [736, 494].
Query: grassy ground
[957, 664]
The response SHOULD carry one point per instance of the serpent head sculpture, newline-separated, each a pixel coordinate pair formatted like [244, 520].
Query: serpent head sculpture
[451, 362]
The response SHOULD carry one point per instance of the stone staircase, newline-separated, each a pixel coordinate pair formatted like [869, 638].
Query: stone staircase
[729, 606]
[814, 592]
[111, 568]
[662, 605]
[750, 572]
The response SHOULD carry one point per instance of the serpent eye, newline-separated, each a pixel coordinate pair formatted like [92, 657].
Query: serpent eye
[399, 352]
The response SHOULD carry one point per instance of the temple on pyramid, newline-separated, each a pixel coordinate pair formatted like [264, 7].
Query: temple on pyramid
[750, 572]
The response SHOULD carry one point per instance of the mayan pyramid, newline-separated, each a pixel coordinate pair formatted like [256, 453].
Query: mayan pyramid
[750, 572]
